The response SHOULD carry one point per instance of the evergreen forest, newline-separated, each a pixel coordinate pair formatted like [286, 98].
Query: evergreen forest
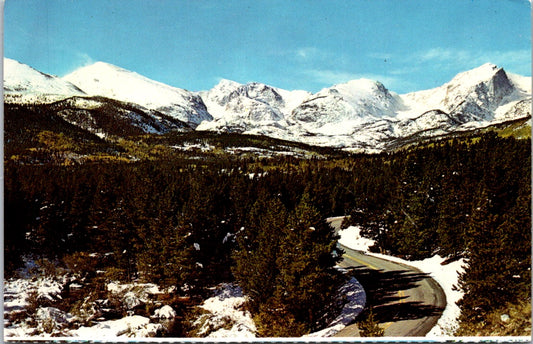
[195, 221]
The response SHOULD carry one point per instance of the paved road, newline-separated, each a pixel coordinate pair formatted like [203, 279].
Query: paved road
[405, 301]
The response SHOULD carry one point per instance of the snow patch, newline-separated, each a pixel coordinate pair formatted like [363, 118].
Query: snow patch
[351, 238]
[226, 315]
[135, 326]
[165, 312]
[356, 300]
[447, 276]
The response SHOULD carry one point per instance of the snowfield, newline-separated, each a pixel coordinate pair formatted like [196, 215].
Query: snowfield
[134, 326]
[225, 309]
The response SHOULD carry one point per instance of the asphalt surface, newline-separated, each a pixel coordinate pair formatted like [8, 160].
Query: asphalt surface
[405, 301]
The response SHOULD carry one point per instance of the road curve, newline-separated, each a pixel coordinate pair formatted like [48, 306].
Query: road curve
[405, 301]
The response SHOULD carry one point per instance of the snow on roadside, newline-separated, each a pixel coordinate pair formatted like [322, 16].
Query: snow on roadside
[356, 300]
[446, 275]
[351, 238]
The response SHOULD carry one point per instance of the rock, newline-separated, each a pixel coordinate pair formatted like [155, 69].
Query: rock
[131, 301]
[165, 312]
[54, 314]
[52, 320]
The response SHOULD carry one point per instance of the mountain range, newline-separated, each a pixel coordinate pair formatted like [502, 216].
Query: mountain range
[358, 115]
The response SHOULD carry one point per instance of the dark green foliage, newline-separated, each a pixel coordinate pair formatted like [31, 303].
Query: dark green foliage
[307, 278]
[258, 247]
[263, 219]
[285, 263]
[463, 198]
[274, 320]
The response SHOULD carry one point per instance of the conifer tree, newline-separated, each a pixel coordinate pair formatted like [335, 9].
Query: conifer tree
[258, 246]
[481, 281]
[307, 280]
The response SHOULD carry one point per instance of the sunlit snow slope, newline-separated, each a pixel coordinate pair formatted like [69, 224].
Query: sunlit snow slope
[113, 82]
[23, 84]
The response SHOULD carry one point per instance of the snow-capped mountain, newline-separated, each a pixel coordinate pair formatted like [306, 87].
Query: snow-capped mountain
[245, 107]
[360, 114]
[470, 96]
[99, 115]
[356, 99]
[23, 84]
[103, 116]
[365, 114]
[106, 80]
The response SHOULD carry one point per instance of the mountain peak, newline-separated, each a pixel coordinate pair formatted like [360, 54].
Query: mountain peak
[482, 73]
[14, 69]
[106, 80]
[103, 70]
[26, 82]
[103, 66]
[225, 83]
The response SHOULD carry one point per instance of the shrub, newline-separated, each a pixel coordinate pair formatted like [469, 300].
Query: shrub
[513, 319]
[369, 326]
[81, 263]
[274, 321]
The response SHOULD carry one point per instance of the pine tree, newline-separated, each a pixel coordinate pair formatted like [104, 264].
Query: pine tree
[369, 326]
[481, 280]
[258, 245]
[307, 280]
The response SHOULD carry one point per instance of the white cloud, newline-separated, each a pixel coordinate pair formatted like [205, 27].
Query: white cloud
[77, 60]
[307, 53]
[313, 56]
[406, 71]
[518, 60]
[85, 59]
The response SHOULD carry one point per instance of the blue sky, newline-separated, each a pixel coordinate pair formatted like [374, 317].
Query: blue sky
[408, 45]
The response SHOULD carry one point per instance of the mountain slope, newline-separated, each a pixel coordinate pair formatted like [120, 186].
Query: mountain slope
[357, 115]
[356, 99]
[23, 84]
[470, 96]
[106, 80]
[364, 114]
[106, 116]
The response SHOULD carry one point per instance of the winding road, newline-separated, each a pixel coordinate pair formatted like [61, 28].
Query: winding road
[405, 301]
